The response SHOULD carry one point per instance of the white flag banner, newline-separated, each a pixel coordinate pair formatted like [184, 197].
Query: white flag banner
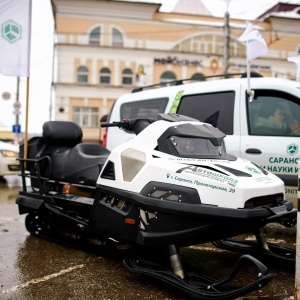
[249, 28]
[296, 60]
[15, 37]
[256, 45]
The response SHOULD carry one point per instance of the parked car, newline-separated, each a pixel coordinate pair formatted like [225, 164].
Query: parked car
[8, 163]
[225, 104]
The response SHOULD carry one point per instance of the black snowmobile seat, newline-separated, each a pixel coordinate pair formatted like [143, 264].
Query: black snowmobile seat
[67, 134]
[63, 156]
[59, 138]
[84, 163]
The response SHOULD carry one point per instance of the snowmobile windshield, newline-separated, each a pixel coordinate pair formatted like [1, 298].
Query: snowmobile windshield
[194, 141]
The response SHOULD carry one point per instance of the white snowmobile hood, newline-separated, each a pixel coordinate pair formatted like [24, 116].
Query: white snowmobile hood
[219, 182]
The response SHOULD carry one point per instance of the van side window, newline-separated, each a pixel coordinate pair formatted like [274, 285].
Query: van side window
[213, 108]
[273, 113]
[149, 108]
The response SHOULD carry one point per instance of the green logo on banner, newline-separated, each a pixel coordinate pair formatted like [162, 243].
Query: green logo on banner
[11, 31]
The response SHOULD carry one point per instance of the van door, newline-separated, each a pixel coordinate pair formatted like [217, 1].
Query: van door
[270, 136]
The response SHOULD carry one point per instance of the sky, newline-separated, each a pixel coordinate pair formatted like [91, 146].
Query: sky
[41, 69]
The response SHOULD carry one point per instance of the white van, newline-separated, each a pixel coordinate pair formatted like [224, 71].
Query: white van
[225, 104]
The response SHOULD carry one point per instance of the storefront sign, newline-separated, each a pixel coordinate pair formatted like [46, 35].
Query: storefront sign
[177, 61]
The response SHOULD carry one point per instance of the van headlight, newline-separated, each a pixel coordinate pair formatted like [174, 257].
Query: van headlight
[9, 153]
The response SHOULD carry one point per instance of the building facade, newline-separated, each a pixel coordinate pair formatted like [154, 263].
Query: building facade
[107, 48]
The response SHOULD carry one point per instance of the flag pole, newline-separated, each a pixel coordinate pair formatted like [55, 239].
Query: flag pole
[26, 118]
[249, 91]
[248, 68]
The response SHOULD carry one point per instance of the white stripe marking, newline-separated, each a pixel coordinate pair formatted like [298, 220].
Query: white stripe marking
[42, 279]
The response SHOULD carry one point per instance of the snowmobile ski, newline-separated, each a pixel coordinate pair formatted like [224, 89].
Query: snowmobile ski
[201, 286]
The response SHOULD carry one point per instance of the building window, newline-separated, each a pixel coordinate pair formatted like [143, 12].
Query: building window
[167, 76]
[117, 38]
[86, 116]
[105, 76]
[82, 74]
[198, 77]
[94, 37]
[127, 77]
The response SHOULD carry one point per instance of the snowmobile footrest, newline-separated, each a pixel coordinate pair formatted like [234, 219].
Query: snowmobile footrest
[278, 254]
[202, 286]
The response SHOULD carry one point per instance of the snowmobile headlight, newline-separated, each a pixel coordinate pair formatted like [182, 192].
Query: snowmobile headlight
[132, 162]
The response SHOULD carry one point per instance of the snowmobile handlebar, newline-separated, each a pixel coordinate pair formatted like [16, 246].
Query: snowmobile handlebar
[121, 124]
[134, 125]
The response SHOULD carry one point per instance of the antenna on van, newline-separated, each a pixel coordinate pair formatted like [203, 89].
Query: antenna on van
[255, 47]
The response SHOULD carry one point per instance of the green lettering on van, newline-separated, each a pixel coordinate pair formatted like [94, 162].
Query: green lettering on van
[176, 102]
[280, 169]
[286, 160]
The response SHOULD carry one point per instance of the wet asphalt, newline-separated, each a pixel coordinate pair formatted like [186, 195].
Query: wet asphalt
[33, 268]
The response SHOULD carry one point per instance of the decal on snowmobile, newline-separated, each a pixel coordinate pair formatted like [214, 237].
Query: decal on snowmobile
[195, 160]
[263, 179]
[208, 174]
[211, 186]
[252, 170]
[198, 183]
[180, 179]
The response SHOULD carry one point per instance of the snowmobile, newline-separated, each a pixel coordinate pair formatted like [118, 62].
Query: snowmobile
[173, 185]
